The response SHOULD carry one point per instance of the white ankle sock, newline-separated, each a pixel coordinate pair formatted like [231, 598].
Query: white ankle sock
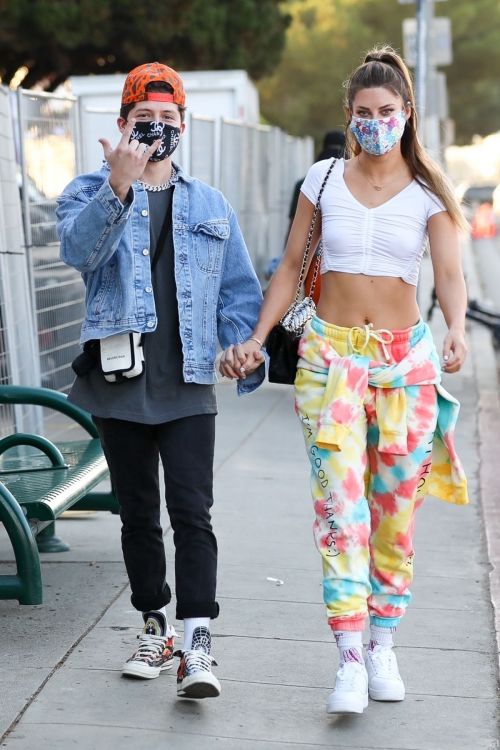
[350, 644]
[190, 623]
[381, 637]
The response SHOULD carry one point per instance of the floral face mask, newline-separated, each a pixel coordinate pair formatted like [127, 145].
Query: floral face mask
[378, 136]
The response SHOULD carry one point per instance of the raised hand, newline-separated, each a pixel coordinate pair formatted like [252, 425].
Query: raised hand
[127, 161]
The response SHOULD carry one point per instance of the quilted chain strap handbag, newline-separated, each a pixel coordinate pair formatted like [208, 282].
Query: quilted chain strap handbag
[283, 340]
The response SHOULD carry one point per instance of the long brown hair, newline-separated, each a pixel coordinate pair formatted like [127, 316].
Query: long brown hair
[383, 67]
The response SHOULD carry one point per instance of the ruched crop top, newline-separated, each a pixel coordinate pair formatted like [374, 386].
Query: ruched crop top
[388, 240]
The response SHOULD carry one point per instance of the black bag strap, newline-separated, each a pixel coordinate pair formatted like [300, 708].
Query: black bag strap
[317, 261]
[160, 243]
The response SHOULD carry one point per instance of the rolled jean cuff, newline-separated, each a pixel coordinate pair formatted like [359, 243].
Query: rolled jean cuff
[352, 623]
[197, 609]
[384, 622]
[149, 602]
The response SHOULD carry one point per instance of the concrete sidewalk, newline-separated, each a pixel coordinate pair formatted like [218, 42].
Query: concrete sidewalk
[60, 680]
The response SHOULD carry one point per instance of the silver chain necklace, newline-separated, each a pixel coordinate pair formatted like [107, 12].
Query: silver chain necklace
[163, 186]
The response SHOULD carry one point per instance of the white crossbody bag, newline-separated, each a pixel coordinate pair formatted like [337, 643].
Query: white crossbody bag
[122, 356]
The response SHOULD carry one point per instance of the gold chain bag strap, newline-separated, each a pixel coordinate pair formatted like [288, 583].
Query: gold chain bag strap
[283, 340]
[302, 310]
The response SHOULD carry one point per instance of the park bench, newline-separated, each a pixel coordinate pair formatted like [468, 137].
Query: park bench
[39, 480]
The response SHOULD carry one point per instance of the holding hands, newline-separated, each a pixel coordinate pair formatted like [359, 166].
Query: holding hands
[241, 360]
[127, 161]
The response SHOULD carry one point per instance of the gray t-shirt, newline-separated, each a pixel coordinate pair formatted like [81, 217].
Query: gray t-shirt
[160, 393]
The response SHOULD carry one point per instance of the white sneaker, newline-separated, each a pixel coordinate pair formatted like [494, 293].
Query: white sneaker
[195, 678]
[350, 694]
[384, 680]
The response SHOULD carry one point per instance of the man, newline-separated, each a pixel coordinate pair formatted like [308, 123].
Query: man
[161, 254]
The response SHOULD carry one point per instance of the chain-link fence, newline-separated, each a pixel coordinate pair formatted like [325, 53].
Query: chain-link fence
[18, 346]
[6, 415]
[202, 148]
[48, 156]
[259, 168]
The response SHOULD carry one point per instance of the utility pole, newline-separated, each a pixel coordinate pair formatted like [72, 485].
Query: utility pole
[432, 133]
[422, 66]
[427, 44]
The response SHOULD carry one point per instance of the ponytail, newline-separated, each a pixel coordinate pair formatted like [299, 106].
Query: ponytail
[383, 67]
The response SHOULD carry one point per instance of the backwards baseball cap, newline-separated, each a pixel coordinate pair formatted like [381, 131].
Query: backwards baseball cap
[134, 89]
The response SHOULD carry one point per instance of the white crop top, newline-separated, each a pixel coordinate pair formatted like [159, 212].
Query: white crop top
[388, 240]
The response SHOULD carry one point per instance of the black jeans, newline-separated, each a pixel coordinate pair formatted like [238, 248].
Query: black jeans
[186, 448]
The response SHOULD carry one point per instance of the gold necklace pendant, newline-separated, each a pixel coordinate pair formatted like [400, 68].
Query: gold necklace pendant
[378, 187]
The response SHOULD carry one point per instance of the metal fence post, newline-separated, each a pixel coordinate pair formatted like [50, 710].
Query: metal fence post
[26, 204]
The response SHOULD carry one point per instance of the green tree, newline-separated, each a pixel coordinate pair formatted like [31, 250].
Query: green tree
[56, 38]
[327, 39]
[473, 81]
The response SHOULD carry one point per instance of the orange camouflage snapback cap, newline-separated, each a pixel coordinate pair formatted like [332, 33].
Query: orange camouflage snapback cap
[134, 89]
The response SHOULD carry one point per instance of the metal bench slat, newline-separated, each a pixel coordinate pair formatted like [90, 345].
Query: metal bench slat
[46, 494]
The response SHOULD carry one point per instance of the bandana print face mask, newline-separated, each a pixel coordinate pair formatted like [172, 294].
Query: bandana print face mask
[149, 132]
[378, 136]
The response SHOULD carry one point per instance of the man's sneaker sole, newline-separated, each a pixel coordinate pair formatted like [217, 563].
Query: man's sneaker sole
[143, 672]
[196, 686]
[346, 704]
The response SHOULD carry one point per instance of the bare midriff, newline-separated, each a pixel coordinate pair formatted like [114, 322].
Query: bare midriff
[356, 300]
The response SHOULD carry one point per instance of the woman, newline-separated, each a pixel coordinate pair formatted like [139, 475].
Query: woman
[378, 425]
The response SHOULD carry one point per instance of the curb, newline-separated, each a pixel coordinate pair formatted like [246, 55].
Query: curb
[488, 421]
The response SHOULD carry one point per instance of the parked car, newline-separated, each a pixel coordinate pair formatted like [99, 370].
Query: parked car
[474, 196]
[41, 213]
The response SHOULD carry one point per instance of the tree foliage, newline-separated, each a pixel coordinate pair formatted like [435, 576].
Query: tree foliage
[328, 38]
[305, 94]
[56, 38]
[474, 80]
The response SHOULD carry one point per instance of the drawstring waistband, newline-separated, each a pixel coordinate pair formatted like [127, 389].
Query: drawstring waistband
[334, 333]
[370, 333]
[347, 377]
[341, 382]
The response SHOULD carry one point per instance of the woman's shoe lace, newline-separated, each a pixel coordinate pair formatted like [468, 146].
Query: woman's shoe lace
[350, 674]
[384, 660]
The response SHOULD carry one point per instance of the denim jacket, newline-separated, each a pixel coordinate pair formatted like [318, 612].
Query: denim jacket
[218, 292]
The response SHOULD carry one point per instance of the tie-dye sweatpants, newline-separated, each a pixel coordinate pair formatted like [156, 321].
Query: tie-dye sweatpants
[365, 498]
